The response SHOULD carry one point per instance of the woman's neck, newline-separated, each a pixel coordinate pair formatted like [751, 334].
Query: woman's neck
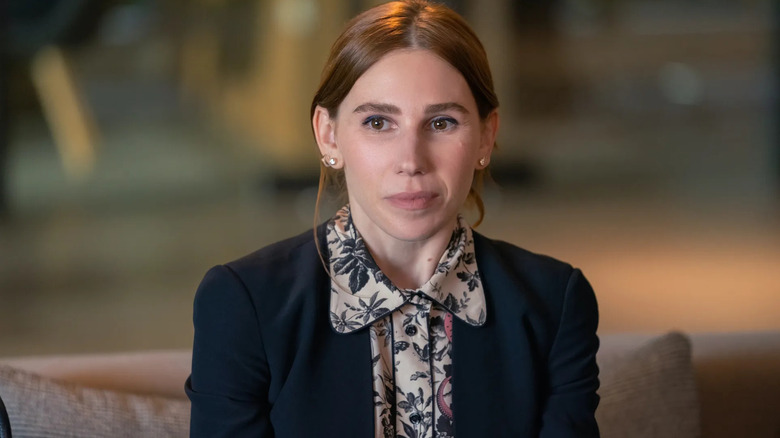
[408, 264]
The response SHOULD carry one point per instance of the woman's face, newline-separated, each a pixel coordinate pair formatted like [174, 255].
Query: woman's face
[409, 138]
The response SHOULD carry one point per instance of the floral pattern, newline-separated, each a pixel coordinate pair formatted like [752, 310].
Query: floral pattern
[410, 329]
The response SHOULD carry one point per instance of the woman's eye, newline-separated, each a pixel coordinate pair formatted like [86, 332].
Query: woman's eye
[442, 124]
[376, 123]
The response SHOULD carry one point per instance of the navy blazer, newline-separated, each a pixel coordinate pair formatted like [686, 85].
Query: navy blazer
[266, 362]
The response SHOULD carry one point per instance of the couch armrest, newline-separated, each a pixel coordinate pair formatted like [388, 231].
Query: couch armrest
[160, 372]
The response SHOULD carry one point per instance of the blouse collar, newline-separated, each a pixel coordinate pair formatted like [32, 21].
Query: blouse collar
[361, 293]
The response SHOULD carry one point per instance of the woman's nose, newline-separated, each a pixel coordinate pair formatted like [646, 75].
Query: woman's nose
[412, 157]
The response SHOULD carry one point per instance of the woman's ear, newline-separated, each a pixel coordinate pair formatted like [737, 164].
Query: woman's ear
[325, 134]
[488, 138]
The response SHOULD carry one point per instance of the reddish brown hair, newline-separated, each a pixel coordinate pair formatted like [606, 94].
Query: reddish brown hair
[412, 24]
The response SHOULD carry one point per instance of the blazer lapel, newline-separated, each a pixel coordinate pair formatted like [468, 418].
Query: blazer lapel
[327, 376]
[494, 365]
[345, 385]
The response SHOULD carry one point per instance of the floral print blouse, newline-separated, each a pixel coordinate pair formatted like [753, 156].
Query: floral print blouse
[411, 329]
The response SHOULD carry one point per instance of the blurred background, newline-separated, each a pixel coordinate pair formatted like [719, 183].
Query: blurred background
[142, 142]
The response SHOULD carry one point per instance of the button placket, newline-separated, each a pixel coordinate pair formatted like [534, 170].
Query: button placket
[413, 366]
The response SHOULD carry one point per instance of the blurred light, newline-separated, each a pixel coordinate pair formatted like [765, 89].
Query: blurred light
[680, 84]
[65, 110]
[296, 17]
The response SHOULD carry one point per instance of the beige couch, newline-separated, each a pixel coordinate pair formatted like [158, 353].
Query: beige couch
[652, 386]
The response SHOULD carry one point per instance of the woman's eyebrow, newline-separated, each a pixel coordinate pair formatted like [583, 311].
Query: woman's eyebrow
[374, 107]
[386, 108]
[443, 107]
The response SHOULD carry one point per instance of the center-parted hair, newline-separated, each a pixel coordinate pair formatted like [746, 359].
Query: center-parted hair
[412, 24]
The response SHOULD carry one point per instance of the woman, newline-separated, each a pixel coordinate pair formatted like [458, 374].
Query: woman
[394, 318]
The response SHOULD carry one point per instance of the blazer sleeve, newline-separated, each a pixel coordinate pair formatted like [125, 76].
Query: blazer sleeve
[230, 376]
[573, 374]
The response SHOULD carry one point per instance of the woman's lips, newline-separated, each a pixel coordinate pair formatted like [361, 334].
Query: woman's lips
[412, 200]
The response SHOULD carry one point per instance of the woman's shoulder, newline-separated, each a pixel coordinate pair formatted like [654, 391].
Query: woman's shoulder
[541, 282]
[519, 260]
[284, 260]
[285, 253]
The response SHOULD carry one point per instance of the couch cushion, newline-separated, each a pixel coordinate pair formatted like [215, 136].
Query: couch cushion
[38, 406]
[649, 391]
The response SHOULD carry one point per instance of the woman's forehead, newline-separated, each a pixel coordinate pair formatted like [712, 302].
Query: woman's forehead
[410, 78]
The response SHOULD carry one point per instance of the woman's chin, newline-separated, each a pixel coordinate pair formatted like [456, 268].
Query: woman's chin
[420, 228]
[407, 225]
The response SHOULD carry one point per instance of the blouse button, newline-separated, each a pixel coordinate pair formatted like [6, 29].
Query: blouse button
[414, 418]
[411, 330]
